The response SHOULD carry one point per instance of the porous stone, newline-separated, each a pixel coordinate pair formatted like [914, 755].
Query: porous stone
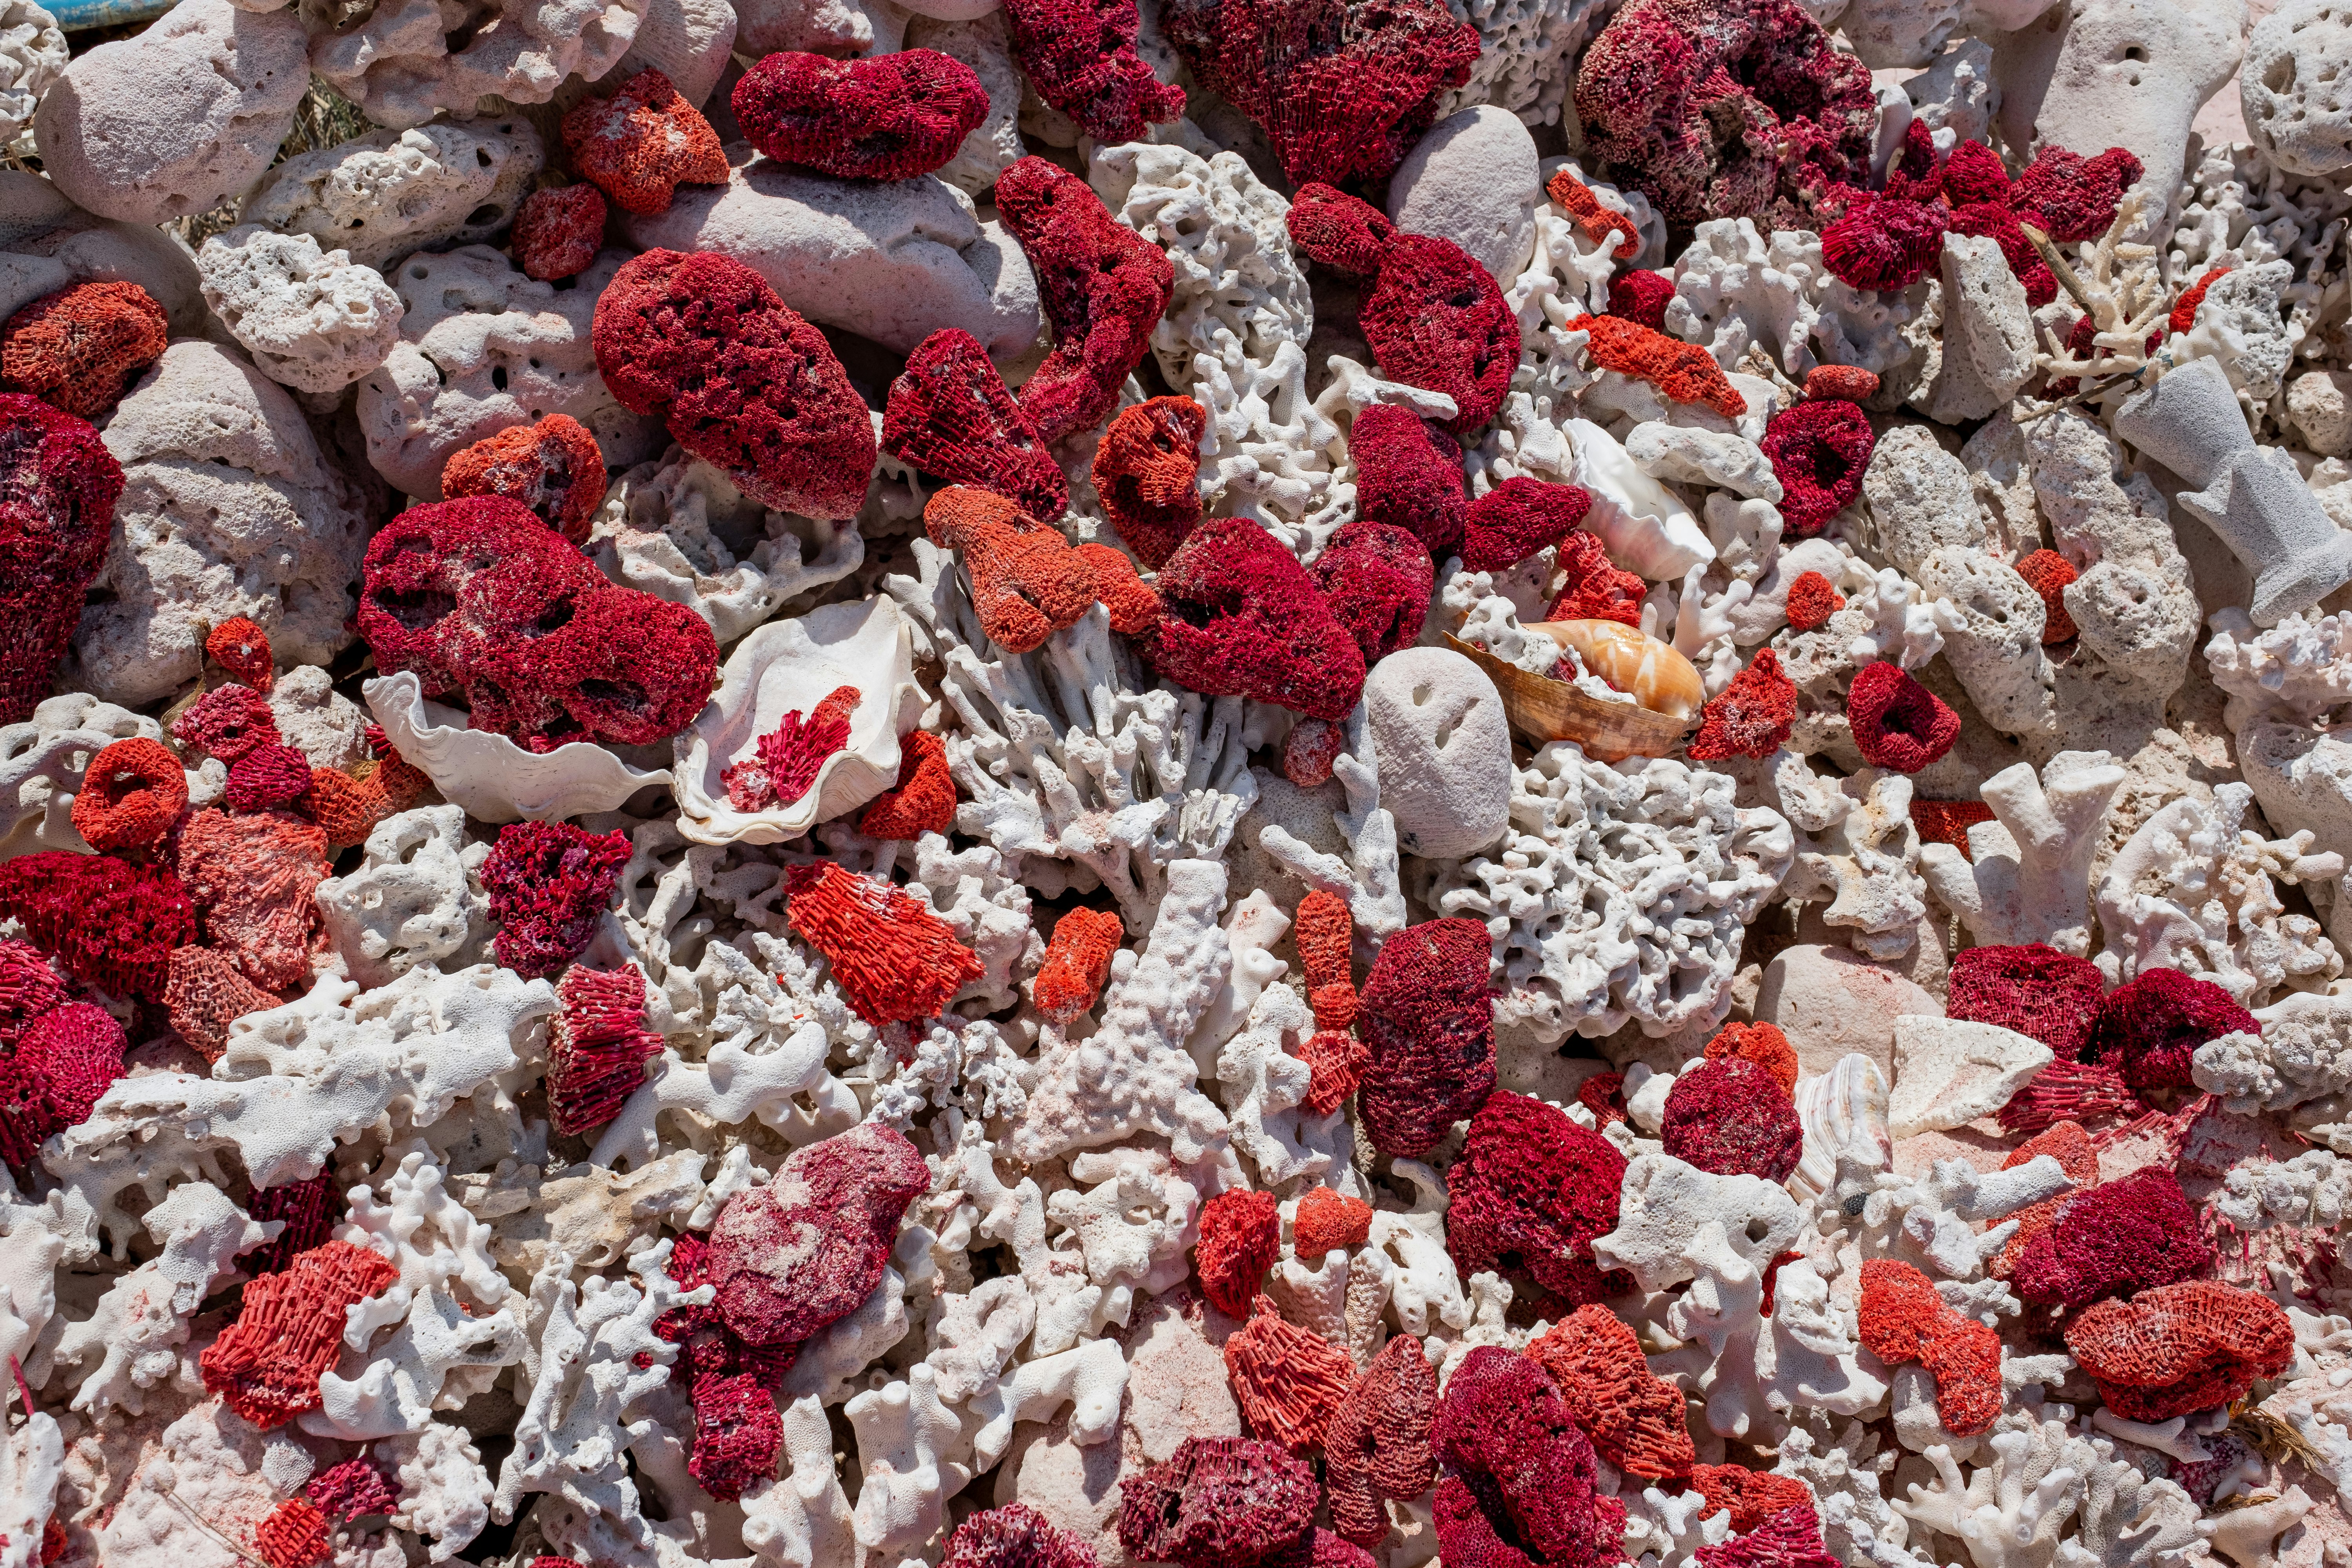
[382, 196]
[2319, 402]
[1473, 179]
[312, 321]
[32, 53]
[1986, 352]
[1444, 749]
[1949, 1072]
[1829, 1001]
[2295, 88]
[403, 61]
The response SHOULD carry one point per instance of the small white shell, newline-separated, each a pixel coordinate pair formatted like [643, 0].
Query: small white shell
[491, 776]
[1845, 1113]
[1645, 527]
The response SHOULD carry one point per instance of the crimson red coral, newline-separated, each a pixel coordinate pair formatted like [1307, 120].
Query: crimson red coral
[107, 923]
[1750, 718]
[1014, 1536]
[1576, 199]
[1519, 1487]
[1077, 962]
[1436, 319]
[293, 1536]
[924, 798]
[1818, 452]
[2070, 198]
[1326, 1220]
[1850, 383]
[1377, 581]
[1079, 55]
[1336, 1061]
[1974, 173]
[1593, 587]
[744, 382]
[1288, 1382]
[1028, 581]
[643, 142]
[1684, 372]
[1603, 1094]
[28, 988]
[51, 1079]
[2181, 1348]
[557, 232]
[1637, 1421]
[226, 722]
[948, 414]
[267, 778]
[1731, 1117]
[311, 1210]
[888, 116]
[242, 649]
[1898, 723]
[1791, 1538]
[793, 1257]
[598, 1049]
[1530, 1192]
[784, 763]
[1408, 475]
[1762, 1043]
[738, 1432]
[1241, 1237]
[1343, 88]
[58, 485]
[2047, 572]
[1641, 298]
[1217, 1502]
[1148, 471]
[205, 995]
[1812, 600]
[553, 468]
[131, 793]
[2114, 1240]
[894, 961]
[2035, 990]
[289, 1329]
[1902, 1318]
[1518, 518]
[1334, 229]
[1313, 746]
[549, 883]
[1751, 1496]
[1103, 286]
[1949, 821]
[1428, 1017]
[1241, 617]
[2149, 1028]
[77, 349]
[1884, 244]
[2078, 1091]
[1377, 1447]
[353, 1489]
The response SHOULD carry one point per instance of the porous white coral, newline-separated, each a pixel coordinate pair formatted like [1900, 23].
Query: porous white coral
[404, 60]
[314, 321]
[415, 897]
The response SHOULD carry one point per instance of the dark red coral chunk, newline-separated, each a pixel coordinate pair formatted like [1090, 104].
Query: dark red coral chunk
[643, 142]
[1519, 1487]
[107, 923]
[2149, 1028]
[226, 722]
[1732, 1117]
[131, 793]
[2072, 198]
[554, 468]
[1593, 587]
[1028, 582]
[2114, 1240]
[1897, 724]
[1751, 1496]
[1974, 173]
[598, 1049]
[1791, 1538]
[2181, 1348]
[549, 883]
[268, 777]
[1428, 1017]
[1377, 580]
[1436, 319]
[2035, 990]
[923, 800]
[1014, 1536]
[1641, 298]
[1637, 1421]
[557, 232]
[77, 349]
[1079, 55]
[1408, 475]
[1241, 617]
[949, 415]
[311, 1209]
[352, 1489]
[1530, 1192]
[738, 1432]
[888, 117]
[895, 962]
[1148, 472]
[1217, 1502]
[51, 1080]
[1241, 1238]
[1518, 518]
[1750, 718]
[1334, 229]
[58, 485]
[1812, 600]
[1887, 245]
[1818, 452]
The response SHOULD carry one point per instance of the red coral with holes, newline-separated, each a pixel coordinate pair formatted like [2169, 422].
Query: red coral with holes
[1849, 383]
[894, 961]
[643, 142]
[1818, 452]
[1530, 1192]
[2035, 990]
[1636, 1420]
[793, 1257]
[1730, 1117]
[1343, 88]
[784, 763]
[1287, 1381]
[924, 798]
[131, 793]
[1241, 617]
[1576, 199]
[1077, 962]
[1641, 298]
[107, 923]
[1428, 1017]
[1377, 581]
[353, 1489]
[204, 993]
[2181, 1348]
[1886, 245]
[597, 1051]
[1593, 587]
[2116, 1239]
[1028, 581]
[1334, 229]
[2149, 1028]
[1103, 286]
[77, 349]
[2072, 198]
[888, 117]
[1715, 110]
[1518, 518]
[1812, 600]
[737, 1433]
[1750, 718]
[267, 778]
[51, 1079]
[1903, 1319]
[1014, 1536]
[1326, 1220]
[558, 232]
[1241, 1237]
[289, 1329]
[1436, 319]
[549, 883]
[948, 414]
[58, 485]
[242, 649]
[1377, 1447]
[1897, 724]
[1684, 372]
[226, 722]
[293, 1536]
[553, 468]
[1791, 1538]
[1751, 1496]
[253, 877]
[1079, 55]
[2047, 572]
[1518, 1486]
[1762, 1043]
[311, 1209]
[1148, 472]
[1217, 1502]
[1408, 475]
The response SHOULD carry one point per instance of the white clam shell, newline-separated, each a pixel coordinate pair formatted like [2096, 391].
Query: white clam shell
[491, 776]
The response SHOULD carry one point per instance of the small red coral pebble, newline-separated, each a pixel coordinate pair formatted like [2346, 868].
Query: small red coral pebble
[204, 993]
[1077, 962]
[77, 349]
[268, 777]
[558, 232]
[1241, 1238]
[1334, 229]
[1408, 475]
[1217, 1502]
[1103, 286]
[2149, 1028]
[1377, 581]
[2035, 990]
[1530, 1192]
[784, 763]
[1902, 1318]
[738, 1432]
[1818, 452]
[1287, 1381]
[242, 649]
[52, 1079]
[1732, 1116]
[1377, 1447]
[1684, 372]
[226, 722]
[1518, 518]
[894, 961]
[549, 883]
[1593, 587]
[1753, 717]
[949, 415]
[1520, 1475]
[2181, 1348]
[131, 793]
[1637, 1421]
[1014, 1536]
[1241, 617]
[352, 1489]
[1752, 1496]
[58, 485]
[795, 1256]
[1812, 600]
[599, 1046]
[1436, 319]
[1427, 1016]
[1949, 821]
[2070, 198]
[2116, 1239]
[1641, 298]
[2184, 310]
[1326, 1221]
[1898, 723]
[924, 798]
[1884, 244]
[1312, 748]
[1848, 383]
[107, 923]
[1148, 473]
[1762, 1043]
[1974, 173]
[1575, 198]
[1603, 1094]
[1080, 56]
[1336, 1061]
[888, 117]
[289, 1329]
[1029, 582]
[554, 468]
[1791, 1538]
[643, 142]
[293, 1536]
[2047, 572]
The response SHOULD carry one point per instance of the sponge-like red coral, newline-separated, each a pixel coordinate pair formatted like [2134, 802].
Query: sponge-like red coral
[894, 961]
[1791, 1538]
[1762, 1043]
[1848, 383]
[1949, 821]
[1377, 580]
[793, 1257]
[1684, 372]
[77, 349]
[1334, 229]
[1732, 1117]
[1217, 1502]
[1903, 1319]
[1530, 1192]
[784, 763]
[352, 1489]
[598, 1049]
[1436, 319]
[1636, 1420]
[2072, 198]
[1288, 1382]
[226, 722]
[1148, 472]
[1812, 600]
[1886, 244]
[311, 1209]
[131, 793]
[1897, 724]
[1818, 452]
[888, 117]
[1014, 1536]
[293, 1536]
[1593, 587]
[252, 878]
[1519, 1488]
[1518, 518]
[948, 414]
[58, 485]
[557, 232]
[2035, 990]
[1028, 582]
[242, 649]
[2149, 1029]
[289, 1329]
[1241, 617]
[1077, 962]
[268, 777]
[2181, 1348]
[2114, 1240]
[554, 468]
[1241, 1237]
[52, 1077]
[204, 993]
[1641, 297]
[107, 923]
[743, 382]
[643, 142]
[924, 798]
[1429, 1019]
[1079, 55]
[1751, 1496]
[549, 883]
[1326, 1220]
[1377, 1445]
[737, 1433]
[1750, 718]
[1408, 475]
[2047, 572]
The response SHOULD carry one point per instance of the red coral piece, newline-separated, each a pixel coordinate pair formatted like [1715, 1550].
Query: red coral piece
[1730, 1117]
[894, 961]
[2047, 572]
[1519, 1474]
[289, 1329]
[1752, 1496]
[1326, 1220]
[1336, 1061]
[1436, 319]
[1684, 372]
[1077, 962]
[1530, 1192]
[1791, 1538]
[1103, 286]
[558, 232]
[77, 349]
[784, 763]
[1753, 717]
[1637, 1421]
[242, 649]
[1334, 229]
[1288, 1382]
[1241, 1238]
[743, 382]
[1377, 1445]
[267, 778]
[1812, 600]
[793, 1257]
[1343, 88]
[293, 1536]
[1884, 244]
[1029, 582]
[226, 722]
[1715, 110]
[643, 142]
[1576, 199]
[2181, 1348]
[549, 883]
[1603, 1094]
[710, 1348]
[1217, 1502]
[2116, 1239]
[554, 468]
[1408, 475]
[1897, 724]
[2070, 198]
[1429, 1019]
[53, 1078]
[28, 988]
[311, 1208]
[349, 804]
[107, 923]
[58, 485]
[1593, 587]
[2149, 1028]
[738, 1432]
[1974, 173]
[1762, 1043]
[1818, 452]
[1903, 1319]
[1641, 297]
[1518, 518]
[924, 798]
[131, 793]
[1324, 936]
[1377, 580]
[204, 993]
[253, 877]
[888, 117]
[1848, 383]
[948, 414]
[1241, 617]
[2067, 1091]
[2035, 990]
[1014, 1536]
[1312, 748]
[1079, 55]
[1949, 821]
[2184, 312]
[1148, 472]
[353, 1489]
[599, 1047]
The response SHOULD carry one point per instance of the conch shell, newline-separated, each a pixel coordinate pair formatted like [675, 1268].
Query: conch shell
[1542, 710]
[1653, 673]
[1843, 1111]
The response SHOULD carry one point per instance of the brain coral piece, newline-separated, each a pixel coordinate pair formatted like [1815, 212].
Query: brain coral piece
[1147, 472]
[1753, 717]
[2047, 572]
[1325, 1219]
[1637, 1421]
[745, 382]
[1014, 1536]
[948, 413]
[1241, 617]
[890, 117]
[1518, 518]
[894, 961]
[2116, 1239]
[924, 798]
[107, 923]
[1790, 1538]
[403, 66]
[205, 995]
[598, 1047]
[1684, 372]
[1077, 962]
[1732, 1117]
[548, 882]
[1343, 88]
[2149, 1029]
[1079, 55]
[1593, 588]
[1427, 1017]
[1752, 1496]
[1720, 111]
[1408, 475]
[557, 232]
[553, 468]
[1762, 1043]
[1902, 1318]
[2179, 1348]
[1377, 580]
[2070, 198]
[242, 649]
[1518, 1484]
[289, 1329]
[1377, 1445]
[784, 763]
[1102, 285]
[1437, 320]
[1888, 244]
[1530, 1192]
[1241, 1237]
[58, 485]
[1641, 297]
[77, 349]
[796, 1256]
[1897, 724]
[293, 1536]
[1028, 581]
[267, 777]
[1217, 1502]
[2035, 990]
[1818, 451]
[50, 1080]
[131, 793]
[1340, 231]
[1287, 1381]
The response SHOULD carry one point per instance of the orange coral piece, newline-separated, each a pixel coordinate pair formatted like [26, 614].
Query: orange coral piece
[252, 878]
[1336, 1061]
[1949, 821]
[293, 1536]
[242, 649]
[2184, 310]
[1377, 1445]
[2047, 572]
[1848, 383]
[1077, 962]
[1812, 600]
[1027, 581]
[205, 995]
[2071, 1146]
[131, 794]
[76, 350]
[1636, 1420]
[1326, 1220]
[1577, 200]
[1903, 1319]
[1752, 1496]
[643, 142]
[348, 806]
[1762, 1043]
[1684, 372]
[1148, 472]
[553, 468]
[1323, 936]
[923, 800]
[2179, 1348]
[1288, 1382]
[894, 961]
[289, 1329]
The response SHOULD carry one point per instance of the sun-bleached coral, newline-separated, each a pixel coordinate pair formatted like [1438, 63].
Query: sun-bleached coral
[1736, 287]
[2304, 1053]
[385, 194]
[43, 762]
[2026, 874]
[32, 54]
[416, 899]
[32, 1462]
[1855, 850]
[313, 322]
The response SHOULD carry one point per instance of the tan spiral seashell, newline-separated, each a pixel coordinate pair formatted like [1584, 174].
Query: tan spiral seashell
[1659, 677]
